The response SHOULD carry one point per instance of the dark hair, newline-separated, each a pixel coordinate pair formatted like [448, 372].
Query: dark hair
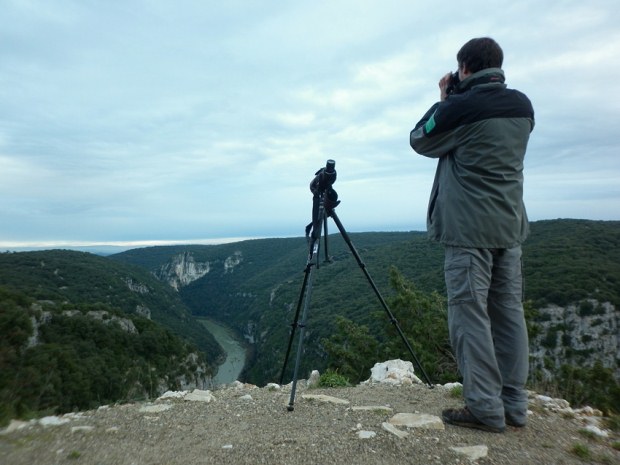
[480, 54]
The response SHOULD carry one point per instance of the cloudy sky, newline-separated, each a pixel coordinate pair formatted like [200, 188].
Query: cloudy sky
[134, 121]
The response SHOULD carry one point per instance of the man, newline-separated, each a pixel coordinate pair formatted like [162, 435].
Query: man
[479, 133]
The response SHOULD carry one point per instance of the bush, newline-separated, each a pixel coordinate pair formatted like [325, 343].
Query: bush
[333, 379]
[594, 386]
[586, 308]
[422, 319]
[80, 362]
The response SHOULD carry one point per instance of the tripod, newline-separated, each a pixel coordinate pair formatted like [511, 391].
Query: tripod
[324, 202]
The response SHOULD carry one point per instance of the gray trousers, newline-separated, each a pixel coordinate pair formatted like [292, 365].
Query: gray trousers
[487, 330]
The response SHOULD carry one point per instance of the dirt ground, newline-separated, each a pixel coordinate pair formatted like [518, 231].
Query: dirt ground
[249, 425]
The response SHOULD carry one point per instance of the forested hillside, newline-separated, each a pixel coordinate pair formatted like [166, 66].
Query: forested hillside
[75, 312]
[570, 260]
[254, 287]
[78, 330]
[77, 277]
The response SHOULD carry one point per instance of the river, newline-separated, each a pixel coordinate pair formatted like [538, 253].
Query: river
[230, 370]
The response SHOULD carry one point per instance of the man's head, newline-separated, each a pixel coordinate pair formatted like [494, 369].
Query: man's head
[480, 54]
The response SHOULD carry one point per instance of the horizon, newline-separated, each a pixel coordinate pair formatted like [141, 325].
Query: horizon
[112, 247]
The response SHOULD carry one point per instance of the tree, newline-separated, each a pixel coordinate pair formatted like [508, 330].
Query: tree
[352, 350]
[422, 317]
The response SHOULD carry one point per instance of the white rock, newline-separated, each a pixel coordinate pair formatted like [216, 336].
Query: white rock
[273, 387]
[417, 420]
[325, 399]
[366, 434]
[313, 380]
[53, 421]
[239, 385]
[246, 398]
[14, 425]
[373, 408]
[473, 453]
[390, 428]
[82, 429]
[199, 395]
[155, 408]
[597, 431]
[395, 372]
[301, 384]
[588, 412]
[173, 395]
[552, 404]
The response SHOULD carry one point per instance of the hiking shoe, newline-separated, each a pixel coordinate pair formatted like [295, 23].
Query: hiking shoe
[463, 417]
[510, 421]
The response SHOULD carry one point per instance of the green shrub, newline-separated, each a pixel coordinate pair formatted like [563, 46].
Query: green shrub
[456, 392]
[586, 308]
[550, 341]
[333, 379]
[581, 450]
[612, 422]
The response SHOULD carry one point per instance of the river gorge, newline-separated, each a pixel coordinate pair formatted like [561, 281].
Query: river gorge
[230, 370]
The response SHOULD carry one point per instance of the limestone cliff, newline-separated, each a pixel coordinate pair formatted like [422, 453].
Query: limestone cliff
[183, 269]
[578, 334]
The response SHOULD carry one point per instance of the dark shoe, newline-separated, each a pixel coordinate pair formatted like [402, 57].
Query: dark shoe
[463, 417]
[510, 421]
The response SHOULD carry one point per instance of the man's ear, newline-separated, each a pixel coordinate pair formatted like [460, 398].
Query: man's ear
[464, 72]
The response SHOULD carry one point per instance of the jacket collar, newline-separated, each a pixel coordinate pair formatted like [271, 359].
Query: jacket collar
[484, 76]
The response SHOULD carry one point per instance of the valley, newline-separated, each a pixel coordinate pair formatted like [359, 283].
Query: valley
[232, 367]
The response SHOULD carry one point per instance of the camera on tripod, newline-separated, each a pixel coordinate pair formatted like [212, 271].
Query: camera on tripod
[324, 178]
[324, 201]
[322, 184]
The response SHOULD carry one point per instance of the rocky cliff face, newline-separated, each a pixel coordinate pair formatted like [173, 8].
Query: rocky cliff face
[193, 373]
[45, 317]
[578, 334]
[183, 269]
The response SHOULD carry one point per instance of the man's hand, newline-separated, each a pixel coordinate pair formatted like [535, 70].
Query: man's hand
[443, 85]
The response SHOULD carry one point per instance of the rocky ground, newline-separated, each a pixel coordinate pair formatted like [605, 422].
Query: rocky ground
[244, 424]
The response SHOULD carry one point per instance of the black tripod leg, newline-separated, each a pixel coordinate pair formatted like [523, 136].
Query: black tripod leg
[325, 240]
[380, 297]
[300, 343]
[294, 325]
[305, 295]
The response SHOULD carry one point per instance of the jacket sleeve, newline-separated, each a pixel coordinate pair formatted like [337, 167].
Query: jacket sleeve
[427, 142]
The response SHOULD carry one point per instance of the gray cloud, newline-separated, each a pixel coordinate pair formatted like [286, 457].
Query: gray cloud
[189, 120]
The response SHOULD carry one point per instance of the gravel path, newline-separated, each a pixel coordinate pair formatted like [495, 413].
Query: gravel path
[248, 425]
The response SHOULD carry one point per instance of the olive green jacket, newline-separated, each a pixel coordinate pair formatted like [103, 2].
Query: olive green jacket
[480, 135]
